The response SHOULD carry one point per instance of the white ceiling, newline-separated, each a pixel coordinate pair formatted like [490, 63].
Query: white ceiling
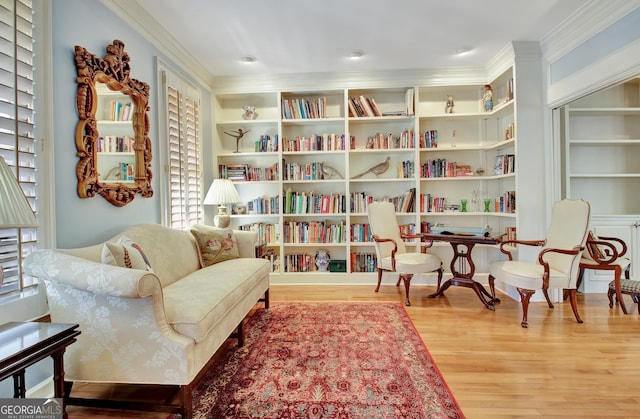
[294, 36]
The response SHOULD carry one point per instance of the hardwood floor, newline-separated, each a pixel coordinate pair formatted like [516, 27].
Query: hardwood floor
[495, 368]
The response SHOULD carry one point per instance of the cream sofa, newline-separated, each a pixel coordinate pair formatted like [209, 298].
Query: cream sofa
[159, 327]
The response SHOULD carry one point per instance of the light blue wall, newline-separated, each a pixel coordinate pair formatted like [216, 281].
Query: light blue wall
[88, 23]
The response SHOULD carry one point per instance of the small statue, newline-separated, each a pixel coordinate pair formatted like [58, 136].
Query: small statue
[487, 98]
[377, 170]
[249, 112]
[449, 106]
[328, 172]
[238, 134]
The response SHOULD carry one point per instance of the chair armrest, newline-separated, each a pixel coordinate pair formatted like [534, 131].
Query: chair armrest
[545, 277]
[610, 251]
[377, 239]
[523, 242]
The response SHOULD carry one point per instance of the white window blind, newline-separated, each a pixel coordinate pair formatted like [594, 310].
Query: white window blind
[183, 155]
[17, 144]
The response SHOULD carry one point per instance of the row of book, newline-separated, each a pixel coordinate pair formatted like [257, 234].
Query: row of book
[506, 202]
[405, 169]
[273, 258]
[360, 233]
[296, 202]
[302, 171]
[380, 141]
[267, 232]
[115, 144]
[505, 164]
[304, 108]
[362, 106]
[429, 139]
[119, 111]
[315, 142]
[245, 172]
[264, 205]
[266, 144]
[436, 168]
[364, 262]
[313, 232]
[299, 262]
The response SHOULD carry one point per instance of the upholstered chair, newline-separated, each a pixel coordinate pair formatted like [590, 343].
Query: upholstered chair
[391, 250]
[558, 261]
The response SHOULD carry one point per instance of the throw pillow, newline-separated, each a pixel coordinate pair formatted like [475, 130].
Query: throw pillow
[126, 254]
[592, 248]
[215, 244]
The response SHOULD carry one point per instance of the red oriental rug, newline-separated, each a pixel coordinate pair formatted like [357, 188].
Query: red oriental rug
[327, 360]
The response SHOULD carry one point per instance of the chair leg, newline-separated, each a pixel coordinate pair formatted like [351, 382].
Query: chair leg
[525, 296]
[574, 304]
[546, 296]
[379, 279]
[399, 279]
[439, 278]
[407, 284]
[618, 273]
[492, 287]
[565, 292]
[610, 294]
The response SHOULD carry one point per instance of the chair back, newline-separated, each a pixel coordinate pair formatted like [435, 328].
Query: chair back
[383, 223]
[568, 229]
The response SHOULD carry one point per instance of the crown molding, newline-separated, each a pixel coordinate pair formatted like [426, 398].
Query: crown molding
[350, 80]
[142, 22]
[593, 17]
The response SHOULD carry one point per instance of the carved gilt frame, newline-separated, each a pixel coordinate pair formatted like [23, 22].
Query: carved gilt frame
[112, 70]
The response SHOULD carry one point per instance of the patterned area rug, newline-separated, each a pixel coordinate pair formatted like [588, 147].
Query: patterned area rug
[327, 360]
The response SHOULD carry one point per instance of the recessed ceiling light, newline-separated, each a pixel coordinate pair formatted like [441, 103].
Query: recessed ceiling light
[356, 54]
[463, 51]
[248, 59]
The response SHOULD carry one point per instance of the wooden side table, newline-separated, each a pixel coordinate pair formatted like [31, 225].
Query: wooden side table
[462, 246]
[24, 343]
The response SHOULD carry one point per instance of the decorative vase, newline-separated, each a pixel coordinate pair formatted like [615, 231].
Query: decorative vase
[322, 260]
[463, 205]
[487, 203]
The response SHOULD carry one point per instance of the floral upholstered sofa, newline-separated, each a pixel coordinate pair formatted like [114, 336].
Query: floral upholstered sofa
[148, 310]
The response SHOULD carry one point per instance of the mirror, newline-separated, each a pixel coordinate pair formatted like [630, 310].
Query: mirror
[112, 134]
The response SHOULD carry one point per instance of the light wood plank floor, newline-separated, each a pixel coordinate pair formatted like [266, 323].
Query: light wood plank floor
[495, 368]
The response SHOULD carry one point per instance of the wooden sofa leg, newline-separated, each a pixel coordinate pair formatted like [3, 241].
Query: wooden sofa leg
[265, 299]
[186, 400]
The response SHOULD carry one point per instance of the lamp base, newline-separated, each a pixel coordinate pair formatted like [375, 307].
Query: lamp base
[222, 218]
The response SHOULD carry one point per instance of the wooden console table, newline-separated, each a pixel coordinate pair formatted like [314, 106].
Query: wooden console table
[24, 344]
[462, 245]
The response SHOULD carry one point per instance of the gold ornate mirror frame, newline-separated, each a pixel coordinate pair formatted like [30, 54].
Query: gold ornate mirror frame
[113, 71]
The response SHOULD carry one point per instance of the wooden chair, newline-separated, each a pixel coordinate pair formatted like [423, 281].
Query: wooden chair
[558, 259]
[607, 254]
[391, 251]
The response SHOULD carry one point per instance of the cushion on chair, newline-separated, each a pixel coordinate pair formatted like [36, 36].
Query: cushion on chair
[627, 286]
[412, 263]
[527, 275]
[622, 262]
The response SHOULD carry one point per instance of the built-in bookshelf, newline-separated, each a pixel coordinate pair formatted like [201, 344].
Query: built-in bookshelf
[600, 136]
[340, 149]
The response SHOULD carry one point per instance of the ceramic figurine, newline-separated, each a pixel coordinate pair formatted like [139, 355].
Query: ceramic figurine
[487, 98]
[249, 112]
[449, 106]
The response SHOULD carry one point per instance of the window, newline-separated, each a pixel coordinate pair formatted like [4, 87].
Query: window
[17, 143]
[184, 190]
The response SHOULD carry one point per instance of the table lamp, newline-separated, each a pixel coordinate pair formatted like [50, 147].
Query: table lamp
[221, 193]
[15, 211]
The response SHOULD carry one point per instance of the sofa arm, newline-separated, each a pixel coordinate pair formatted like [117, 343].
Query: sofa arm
[247, 241]
[125, 335]
[87, 275]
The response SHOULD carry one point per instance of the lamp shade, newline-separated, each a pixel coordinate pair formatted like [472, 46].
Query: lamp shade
[15, 210]
[222, 191]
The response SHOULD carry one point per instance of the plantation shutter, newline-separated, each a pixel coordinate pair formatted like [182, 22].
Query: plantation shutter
[17, 144]
[185, 193]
